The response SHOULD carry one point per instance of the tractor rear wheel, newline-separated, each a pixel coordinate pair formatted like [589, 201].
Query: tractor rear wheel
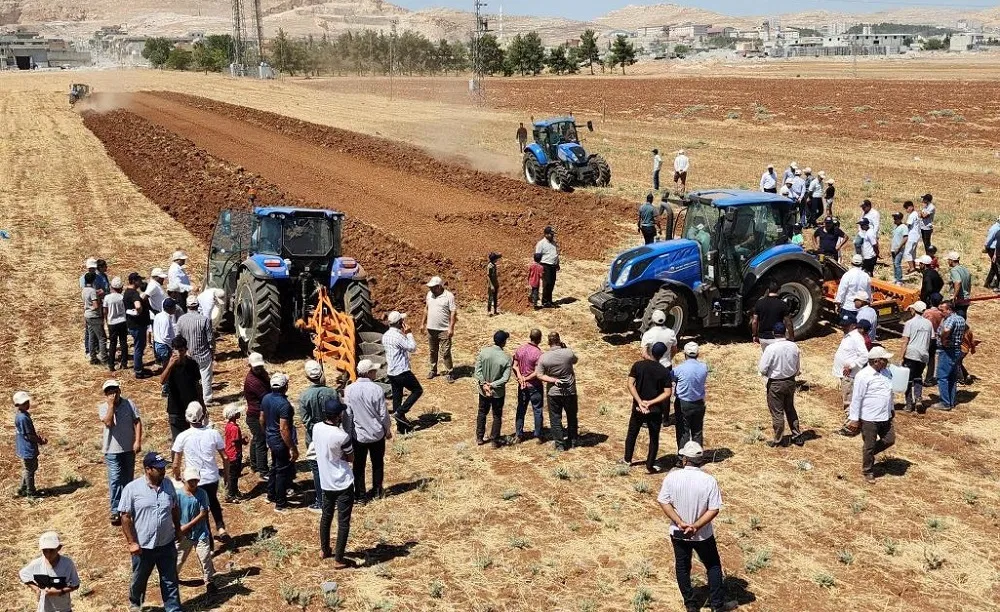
[257, 314]
[559, 179]
[673, 305]
[358, 304]
[533, 171]
[803, 293]
[602, 171]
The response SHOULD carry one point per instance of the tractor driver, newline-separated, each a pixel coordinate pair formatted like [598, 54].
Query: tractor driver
[569, 133]
[267, 236]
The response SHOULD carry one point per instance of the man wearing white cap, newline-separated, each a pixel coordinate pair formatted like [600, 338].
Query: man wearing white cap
[931, 282]
[440, 315]
[399, 345]
[256, 385]
[26, 443]
[912, 236]
[93, 317]
[780, 364]
[197, 330]
[211, 304]
[768, 180]
[659, 332]
[851, 356]
[691, 499]
[798, 187]
[197, 446]
[862, 302]
[852, 282]
[90, 265]
[960, 283]
[917, 334]
[154, 290]
[114, 314]
[828, 197]
[681, 165]
[282, 440]
[690, 377]
[367, 421]
[178, 278]
[52, 576]
[121, 441]
[789, 172]
[871, 409]
[814, 193]
[311, 404]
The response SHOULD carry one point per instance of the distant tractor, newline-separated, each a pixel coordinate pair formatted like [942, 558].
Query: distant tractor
[556, 158]
[283, 274]
[77, 92]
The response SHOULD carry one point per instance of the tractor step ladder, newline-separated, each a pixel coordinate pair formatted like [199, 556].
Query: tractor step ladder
[333, 335]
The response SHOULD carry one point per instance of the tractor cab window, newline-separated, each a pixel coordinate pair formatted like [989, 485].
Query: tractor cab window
[266, 237]
[699, 220]
[745, 232]
[308, 236]
[569, 133]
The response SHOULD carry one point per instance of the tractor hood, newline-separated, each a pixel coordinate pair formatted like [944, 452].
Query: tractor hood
[673, 260]
[573, 153]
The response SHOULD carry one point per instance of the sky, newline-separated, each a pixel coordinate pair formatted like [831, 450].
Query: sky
[589, 9]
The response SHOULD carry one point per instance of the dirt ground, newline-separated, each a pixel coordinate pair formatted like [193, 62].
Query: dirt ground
[469, 528]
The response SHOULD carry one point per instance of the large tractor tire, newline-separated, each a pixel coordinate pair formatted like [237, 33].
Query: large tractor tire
[358, 304]
[534, 173]
[559, 179]
[803, 292]
[602, 171]
[257, 314]
[673, 305]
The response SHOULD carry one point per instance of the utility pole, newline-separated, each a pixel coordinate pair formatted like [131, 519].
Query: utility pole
[392, 55]
[478, 63]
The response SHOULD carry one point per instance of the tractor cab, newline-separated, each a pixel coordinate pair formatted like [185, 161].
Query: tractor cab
[556, 157]
[560, 140]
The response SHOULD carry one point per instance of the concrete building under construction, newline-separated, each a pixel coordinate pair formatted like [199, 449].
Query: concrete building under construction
[23, 49]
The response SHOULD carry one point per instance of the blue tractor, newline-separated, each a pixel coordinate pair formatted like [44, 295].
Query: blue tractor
[275, 264]
[556, 158]
[726, 248]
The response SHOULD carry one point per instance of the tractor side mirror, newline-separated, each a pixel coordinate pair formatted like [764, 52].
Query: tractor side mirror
[590, 126]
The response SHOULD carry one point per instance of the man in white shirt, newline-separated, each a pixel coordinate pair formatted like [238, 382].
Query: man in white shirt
[927, 220]
[798, 186]
[912, 237]
[871, 409]
[868, 241]
[440, 314]
[851, 356]
[549, 250]
[866, 313]
[768, 180]
[368, 422]
[154, 291]
[211, 303]
[52, 564]
[853, 281]
[178, 279]
[917, 335]
[681, 165]
[399, 345]
[789, 172]
[659, 332]
[779, 364]
[163, 331]
[691, 499]
[334, 455]
[114, 313]
[198, 445]
[657, 164]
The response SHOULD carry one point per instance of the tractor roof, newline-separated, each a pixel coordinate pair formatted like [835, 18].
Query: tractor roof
[263, 211]
[547, 122]
[725, 198]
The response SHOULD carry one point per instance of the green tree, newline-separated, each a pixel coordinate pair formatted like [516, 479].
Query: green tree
[622, 52]
[588, 51]
[515, 55]
[459, 58]
[491, 55]
[179, 59]
[283, 56]
[573, 61]
[157, 50]
[213, 53]
[533, 56]
[557, 61]
[934, 44]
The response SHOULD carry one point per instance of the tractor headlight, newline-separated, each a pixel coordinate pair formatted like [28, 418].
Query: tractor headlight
[623, 275]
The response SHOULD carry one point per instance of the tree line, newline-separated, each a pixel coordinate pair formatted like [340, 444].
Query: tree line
[409, 53]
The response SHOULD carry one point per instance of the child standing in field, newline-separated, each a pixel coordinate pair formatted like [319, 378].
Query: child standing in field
[492, 285]
[535, 278]
[235, 440]
[26, 442]
[193, 503]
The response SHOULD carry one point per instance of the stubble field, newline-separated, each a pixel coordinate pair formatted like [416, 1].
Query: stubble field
[470, 528]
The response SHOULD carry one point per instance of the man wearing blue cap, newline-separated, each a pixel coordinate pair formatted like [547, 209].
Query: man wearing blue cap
[150, 521]
[649, 384]
[779, 364]
[334, 455]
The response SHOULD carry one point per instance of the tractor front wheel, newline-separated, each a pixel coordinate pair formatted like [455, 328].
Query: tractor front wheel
[803, 293]
[559, 179]
[358, 304]
[602, 171]
[673, 305]
[533, 171]
[257, 314]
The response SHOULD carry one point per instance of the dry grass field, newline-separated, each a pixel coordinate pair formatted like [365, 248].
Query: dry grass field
[521, 528]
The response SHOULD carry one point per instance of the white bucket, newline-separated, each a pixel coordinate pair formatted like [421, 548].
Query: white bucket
[900, 378]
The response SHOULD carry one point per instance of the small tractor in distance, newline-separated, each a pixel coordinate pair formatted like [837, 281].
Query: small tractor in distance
[556, 159]
[77, 92]
[283, 274]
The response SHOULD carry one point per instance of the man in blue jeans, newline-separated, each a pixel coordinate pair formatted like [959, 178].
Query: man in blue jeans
[690, 376]
[282, 440]
[529, 387]
[122, 440]
[137, 319]
[949, 355]
[150, 522]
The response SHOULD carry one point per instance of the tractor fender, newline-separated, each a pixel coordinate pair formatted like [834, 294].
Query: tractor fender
[267, 267]
[345, 269]
[696, 303]
[783, 255]
[538, 152]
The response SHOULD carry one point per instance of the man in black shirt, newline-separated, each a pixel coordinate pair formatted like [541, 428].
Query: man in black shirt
[769, 310]
[182, 380]
[931, 282]
[829, 239]
[137, 320]
[649, 384]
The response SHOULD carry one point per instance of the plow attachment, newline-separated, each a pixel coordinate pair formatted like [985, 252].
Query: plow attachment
[333, 334]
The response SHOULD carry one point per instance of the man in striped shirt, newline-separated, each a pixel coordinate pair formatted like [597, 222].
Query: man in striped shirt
[399, 345]
[197, 330]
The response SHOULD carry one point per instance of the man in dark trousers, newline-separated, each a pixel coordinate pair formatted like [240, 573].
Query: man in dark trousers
[367, 421]
[555, 368]
[256, 385]
[182, 381]
[649, 384]
[647, 220]
[522, 138]
[690, 376]
[779, 364]
[549, 251]
[931, 281]
[492, 372]
[282, 439]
